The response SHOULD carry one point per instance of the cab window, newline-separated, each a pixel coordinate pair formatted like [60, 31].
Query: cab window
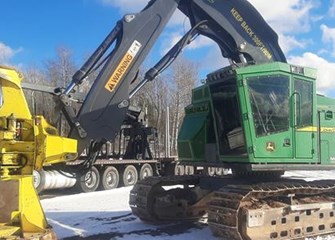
[304, 102]
[269, 98]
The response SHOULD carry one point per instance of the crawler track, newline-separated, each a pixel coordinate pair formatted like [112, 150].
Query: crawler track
[151, 202]
[273, 211]
[286, 209]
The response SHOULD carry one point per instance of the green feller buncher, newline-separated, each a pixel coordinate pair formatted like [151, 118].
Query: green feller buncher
[260, 116]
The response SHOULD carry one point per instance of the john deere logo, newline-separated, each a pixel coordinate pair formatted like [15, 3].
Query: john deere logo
[270, 146]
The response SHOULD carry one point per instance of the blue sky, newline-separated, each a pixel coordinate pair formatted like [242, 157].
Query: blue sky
[30, 31]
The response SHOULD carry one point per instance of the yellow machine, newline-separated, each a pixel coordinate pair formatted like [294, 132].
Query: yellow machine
[26, 143]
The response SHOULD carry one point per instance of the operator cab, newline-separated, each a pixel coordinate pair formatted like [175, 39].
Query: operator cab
[254, 115]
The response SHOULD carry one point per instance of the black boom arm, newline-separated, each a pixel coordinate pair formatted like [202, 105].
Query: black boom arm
[235, 25]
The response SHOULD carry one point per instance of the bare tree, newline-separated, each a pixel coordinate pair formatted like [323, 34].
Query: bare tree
[59, 72]
[184, 75]
[61, 69]
[173, 90]
[36, 100]
[153, 97]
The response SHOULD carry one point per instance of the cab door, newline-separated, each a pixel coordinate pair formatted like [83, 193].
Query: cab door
[303, 119]
[269, 118]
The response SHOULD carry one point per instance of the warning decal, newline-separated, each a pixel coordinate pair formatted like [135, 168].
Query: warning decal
[123, 66]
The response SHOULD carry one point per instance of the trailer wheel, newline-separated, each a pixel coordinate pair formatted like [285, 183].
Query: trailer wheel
[129, 176]
[210, 171]
[218, 171]
[189, 170]
[179, 170]
[89, 181]
[110, 178]
[39, 180]
[146, 171]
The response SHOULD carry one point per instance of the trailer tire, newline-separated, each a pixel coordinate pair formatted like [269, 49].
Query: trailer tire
[218, 171]
[89, 181]
[189, 170]
[210, 171]
[129, 176]
[110, 178]
[146, 171]
[39, 180]
[179, 170]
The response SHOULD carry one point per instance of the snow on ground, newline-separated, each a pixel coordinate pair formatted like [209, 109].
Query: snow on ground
[310, 175]
[106, 215]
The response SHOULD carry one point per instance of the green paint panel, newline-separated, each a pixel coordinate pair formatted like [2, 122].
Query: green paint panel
[192, 136]
[304, 145]
[325, 152]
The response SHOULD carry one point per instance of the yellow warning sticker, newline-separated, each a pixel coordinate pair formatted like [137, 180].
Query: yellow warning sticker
[123, 66]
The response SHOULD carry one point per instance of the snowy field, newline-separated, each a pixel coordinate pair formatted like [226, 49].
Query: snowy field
[106, 215]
